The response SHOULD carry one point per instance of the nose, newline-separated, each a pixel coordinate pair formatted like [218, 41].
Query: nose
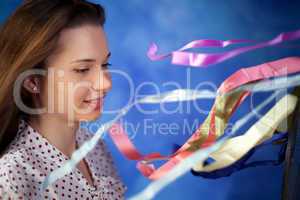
[102, 81]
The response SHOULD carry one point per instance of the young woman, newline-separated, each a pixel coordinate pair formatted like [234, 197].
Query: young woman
[53, 75]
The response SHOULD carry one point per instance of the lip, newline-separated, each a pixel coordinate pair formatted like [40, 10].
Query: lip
[95, 99]
[95, 103]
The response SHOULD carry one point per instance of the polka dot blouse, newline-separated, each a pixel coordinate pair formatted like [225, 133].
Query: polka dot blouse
[30, 158]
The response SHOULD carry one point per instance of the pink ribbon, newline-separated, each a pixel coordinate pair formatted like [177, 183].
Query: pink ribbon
[277, 68]
[180, 57]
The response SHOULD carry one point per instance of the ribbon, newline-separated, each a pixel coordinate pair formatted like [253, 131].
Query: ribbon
[179, 57]
[236, 147]
[178, 95]
[194, 44]
[186, 95]
[242, 163]
[277, 68]
[214, 125]
[80, 153]
[182, 153]
[200, 155]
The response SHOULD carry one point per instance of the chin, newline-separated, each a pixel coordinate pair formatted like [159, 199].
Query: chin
[90, 117]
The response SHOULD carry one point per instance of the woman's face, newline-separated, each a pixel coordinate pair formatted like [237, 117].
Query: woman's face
[78, 78]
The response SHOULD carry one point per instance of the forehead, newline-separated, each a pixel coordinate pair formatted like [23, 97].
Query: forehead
[87, 41]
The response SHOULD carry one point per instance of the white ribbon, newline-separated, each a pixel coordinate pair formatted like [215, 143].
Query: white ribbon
[177, 95]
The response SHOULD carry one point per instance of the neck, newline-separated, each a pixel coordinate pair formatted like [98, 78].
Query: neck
[57, 131]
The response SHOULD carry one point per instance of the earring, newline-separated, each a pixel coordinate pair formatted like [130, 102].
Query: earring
[35, 88]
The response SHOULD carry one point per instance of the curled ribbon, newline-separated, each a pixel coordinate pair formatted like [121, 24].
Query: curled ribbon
[214, 125]
[180, 57]
[259, 130]
[234, 148]
[244, 76]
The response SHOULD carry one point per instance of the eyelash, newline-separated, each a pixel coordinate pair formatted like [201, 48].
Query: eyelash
[106, 65]
[83, 70]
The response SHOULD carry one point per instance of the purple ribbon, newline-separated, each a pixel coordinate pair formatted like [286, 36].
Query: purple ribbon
[180, 57]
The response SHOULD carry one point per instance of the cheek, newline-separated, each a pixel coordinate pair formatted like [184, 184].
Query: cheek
[57, 95]
[79, 94]
[61, 95]
[76, 91]
[65, 95]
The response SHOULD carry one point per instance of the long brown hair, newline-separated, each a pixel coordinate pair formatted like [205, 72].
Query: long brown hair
[27, 38]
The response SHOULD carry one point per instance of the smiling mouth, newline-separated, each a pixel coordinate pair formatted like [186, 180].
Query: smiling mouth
[100, 98]
[95, 103]
[93, 100]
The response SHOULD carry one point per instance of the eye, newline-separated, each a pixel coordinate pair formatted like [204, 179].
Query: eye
[105, 65]
[82, 70]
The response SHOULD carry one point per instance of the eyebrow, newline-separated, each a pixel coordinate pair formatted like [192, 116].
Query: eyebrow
[89, 59]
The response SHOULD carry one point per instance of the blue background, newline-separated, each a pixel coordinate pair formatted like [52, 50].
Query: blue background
[133, 24]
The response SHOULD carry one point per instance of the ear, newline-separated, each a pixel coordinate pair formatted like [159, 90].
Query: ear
[32, 85]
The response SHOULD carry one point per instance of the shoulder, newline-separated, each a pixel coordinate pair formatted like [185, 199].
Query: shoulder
[11, 174]
[12, 159]
[17, 175]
